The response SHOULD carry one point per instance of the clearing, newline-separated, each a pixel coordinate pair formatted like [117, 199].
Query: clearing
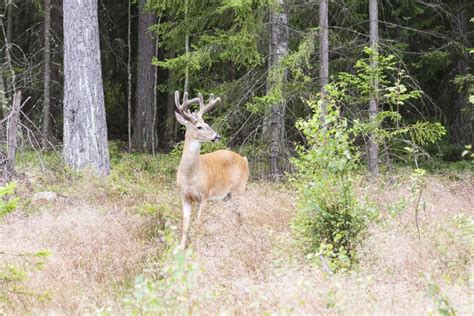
[103, 233]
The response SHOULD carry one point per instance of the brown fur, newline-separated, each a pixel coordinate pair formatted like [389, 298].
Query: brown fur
[226, 172]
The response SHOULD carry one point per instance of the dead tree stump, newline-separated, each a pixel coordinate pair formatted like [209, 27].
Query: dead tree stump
[12, 130]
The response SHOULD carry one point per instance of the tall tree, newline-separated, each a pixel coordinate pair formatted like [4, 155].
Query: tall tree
[143, 124]
[47, 75]
[373, 107]
[186, 45]
[171, 129]
[11, 87]
[460, 120]
[274, 131]
[129, 76]
[3, 96]
[323, 50]
[85, 129]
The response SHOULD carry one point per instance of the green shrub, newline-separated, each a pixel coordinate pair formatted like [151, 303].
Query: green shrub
[330, 222]
[14, 273]
[390, 128]
[7, 204]
[170, 294]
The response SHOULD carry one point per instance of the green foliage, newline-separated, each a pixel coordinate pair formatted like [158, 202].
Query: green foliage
[353, 91]
[170, 294]
[468, 152]
[287, 77]
[7, 204]
[14, 273]
[221, 32]
[433, 63]
[330, 222]
[443, 307]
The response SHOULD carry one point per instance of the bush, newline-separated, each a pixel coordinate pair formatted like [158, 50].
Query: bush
[7, 204]
[14, 272]
[330, 222]
[170, 294]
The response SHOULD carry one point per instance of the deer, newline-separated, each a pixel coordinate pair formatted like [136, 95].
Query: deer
[219, 175]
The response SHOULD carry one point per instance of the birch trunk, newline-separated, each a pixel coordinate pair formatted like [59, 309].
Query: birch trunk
[373, 107]
[323, 53]
[12, 131]
[47, 76]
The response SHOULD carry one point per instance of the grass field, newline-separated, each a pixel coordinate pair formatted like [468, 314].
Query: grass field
[110, 244]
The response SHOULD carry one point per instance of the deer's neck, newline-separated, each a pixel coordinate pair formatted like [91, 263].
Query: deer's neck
[190, 159]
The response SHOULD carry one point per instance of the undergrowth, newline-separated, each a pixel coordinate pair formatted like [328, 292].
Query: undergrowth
[112, 240]
[331, 222]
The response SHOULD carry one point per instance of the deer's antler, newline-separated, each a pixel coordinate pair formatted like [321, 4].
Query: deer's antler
[183, 108]
[203, 108]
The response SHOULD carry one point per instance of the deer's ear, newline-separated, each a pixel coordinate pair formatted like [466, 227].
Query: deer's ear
[181, 119]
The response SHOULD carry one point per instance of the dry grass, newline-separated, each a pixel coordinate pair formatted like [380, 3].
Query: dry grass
[96, 236]
[256, 268]
[249, 264]
[92, 252]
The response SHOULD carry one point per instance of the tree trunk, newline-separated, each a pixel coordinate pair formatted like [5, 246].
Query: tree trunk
[47, 76]
[373, 108]
[460, 119]
[11, 86]
[274, 122]
[155, 104]
[171, 126]
[12, 131]
[3, 96]
[323, 53]
[186, 47]
[143, 127]
[85, 129]
[129, 77]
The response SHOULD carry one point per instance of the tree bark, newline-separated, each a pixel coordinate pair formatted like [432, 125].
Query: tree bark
[47, 76]
[274, 125]
[373, 107]
[460, 120]
[155, 104]
[85, 129]
[129, 77]
[143, 125]
[186, 46]
[11, 86]
[323, 53]
[171, 126]
[12, 131]
[3, 96]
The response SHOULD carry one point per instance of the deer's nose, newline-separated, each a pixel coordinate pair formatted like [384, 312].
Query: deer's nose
[217, 138]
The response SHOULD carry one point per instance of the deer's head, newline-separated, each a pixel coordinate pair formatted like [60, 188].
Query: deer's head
[196, 128]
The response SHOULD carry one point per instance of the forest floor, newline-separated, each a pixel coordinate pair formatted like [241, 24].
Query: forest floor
[111, 248]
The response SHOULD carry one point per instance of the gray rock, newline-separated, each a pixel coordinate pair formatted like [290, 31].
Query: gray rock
[44, 197]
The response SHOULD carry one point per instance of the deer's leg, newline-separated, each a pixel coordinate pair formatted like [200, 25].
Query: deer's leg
[202, 205]
[235, 204]
[186, 221]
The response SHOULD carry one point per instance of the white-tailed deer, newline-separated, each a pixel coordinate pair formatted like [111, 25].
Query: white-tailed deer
[215, 176]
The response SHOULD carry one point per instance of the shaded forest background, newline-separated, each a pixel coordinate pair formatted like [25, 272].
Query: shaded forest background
[225, 47]
[326, 90]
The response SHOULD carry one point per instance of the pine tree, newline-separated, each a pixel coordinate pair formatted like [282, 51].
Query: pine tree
[85, 130]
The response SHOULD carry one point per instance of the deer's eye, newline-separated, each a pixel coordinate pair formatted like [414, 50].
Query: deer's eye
[199, 127]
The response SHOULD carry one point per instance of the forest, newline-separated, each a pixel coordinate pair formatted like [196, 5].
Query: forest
[236, 157]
